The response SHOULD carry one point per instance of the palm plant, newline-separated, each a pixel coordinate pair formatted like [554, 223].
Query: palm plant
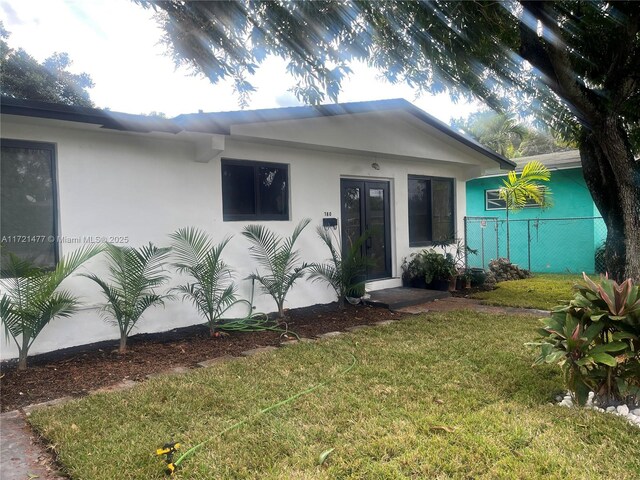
[130, 290]
[344, 273]
[31, 298]
[277, 256]
[212, 290]
[517, 190]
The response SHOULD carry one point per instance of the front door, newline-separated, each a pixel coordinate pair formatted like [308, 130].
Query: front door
[365, 207]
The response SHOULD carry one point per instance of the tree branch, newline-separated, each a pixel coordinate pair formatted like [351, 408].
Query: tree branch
[552, 59]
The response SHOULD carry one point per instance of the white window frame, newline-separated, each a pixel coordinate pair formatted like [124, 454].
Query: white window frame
[496, 191]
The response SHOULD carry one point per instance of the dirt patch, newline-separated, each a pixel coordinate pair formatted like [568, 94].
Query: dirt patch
[76, 371]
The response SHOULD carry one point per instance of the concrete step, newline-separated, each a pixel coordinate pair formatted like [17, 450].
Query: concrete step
[400, 297]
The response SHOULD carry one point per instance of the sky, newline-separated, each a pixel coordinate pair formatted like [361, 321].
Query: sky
[118, 43]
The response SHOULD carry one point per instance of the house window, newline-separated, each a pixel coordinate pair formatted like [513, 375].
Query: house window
[254, 190]
[431, 210]
[492, 201]
[28, 201]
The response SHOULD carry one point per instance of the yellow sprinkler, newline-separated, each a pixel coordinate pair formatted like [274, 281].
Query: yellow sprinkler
[169, 449]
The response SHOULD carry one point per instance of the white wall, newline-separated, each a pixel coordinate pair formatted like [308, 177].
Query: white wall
[144, 187]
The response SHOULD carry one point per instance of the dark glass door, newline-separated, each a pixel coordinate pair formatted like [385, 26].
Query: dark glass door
[365, 207]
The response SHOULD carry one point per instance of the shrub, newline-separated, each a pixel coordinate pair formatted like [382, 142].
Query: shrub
[595, 339]
[344, 273]
[438, 267]
[31, 297]
[428, 266]
[414, 270]
[278, 258]
[211, 288]
[130, 290]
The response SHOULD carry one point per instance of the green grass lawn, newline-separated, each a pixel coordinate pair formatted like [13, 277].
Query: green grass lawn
[543, 291]
[446, 396]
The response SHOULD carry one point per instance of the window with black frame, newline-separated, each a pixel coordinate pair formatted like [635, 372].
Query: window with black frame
[28, 223]
[254, 190]
[431, 210]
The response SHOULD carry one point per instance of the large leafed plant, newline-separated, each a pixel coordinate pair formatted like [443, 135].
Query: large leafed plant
[130, 289]
[596, 340]
[210, 287]
[280, 262]
[345, 273]
[32, 298]
[518, 190]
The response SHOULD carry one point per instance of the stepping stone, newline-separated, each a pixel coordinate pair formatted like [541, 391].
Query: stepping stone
[215, 361]
[123, 385]
[51, 403]
[255, 351]
[357, 327]
[171, 371]
[384, 323]
[329, 335]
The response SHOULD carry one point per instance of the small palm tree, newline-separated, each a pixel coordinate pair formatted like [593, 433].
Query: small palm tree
[517, 190]
[278, 258]
[31, 298]
[212, 290]
[130, 290]
[345, 274]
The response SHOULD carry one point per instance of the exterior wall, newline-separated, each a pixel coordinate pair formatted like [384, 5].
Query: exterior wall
[144, 187]
[563, 237]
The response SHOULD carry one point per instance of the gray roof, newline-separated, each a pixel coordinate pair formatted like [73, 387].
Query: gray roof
[221, 122]
[553, 161]
[568, 159]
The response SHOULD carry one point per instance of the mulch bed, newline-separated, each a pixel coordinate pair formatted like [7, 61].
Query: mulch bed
[76, 371]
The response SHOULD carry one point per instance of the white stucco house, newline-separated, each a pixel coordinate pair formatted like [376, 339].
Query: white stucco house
[73, 175]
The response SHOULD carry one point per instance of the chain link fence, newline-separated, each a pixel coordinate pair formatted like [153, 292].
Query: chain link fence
[551, 245]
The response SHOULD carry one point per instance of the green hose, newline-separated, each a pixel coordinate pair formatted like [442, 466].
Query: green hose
[256, 323]
[253, 322]
[192, 450]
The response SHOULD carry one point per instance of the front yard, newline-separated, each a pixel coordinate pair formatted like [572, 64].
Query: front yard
[445, 396]
[542, 291]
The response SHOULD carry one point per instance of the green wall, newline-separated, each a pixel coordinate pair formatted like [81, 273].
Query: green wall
[560, 241]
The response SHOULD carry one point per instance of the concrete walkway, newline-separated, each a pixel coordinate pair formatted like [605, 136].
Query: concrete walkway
[23, 457]
[458, 303]
[400, 297]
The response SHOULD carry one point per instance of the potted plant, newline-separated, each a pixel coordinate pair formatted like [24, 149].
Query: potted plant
[466, 278]
[439, 269]
[414, 270]
[478, 276]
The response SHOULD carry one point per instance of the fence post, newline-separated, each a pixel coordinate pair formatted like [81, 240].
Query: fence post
[529, 242]
[466, 255]
[497, 241]
[482, 244]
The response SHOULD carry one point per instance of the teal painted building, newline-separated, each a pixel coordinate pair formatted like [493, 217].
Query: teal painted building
[558, 239]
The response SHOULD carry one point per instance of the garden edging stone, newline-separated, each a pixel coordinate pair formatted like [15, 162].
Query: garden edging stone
[58, 401]
[256, 351]
[329, 335]
[216, 361]
[172, 371]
